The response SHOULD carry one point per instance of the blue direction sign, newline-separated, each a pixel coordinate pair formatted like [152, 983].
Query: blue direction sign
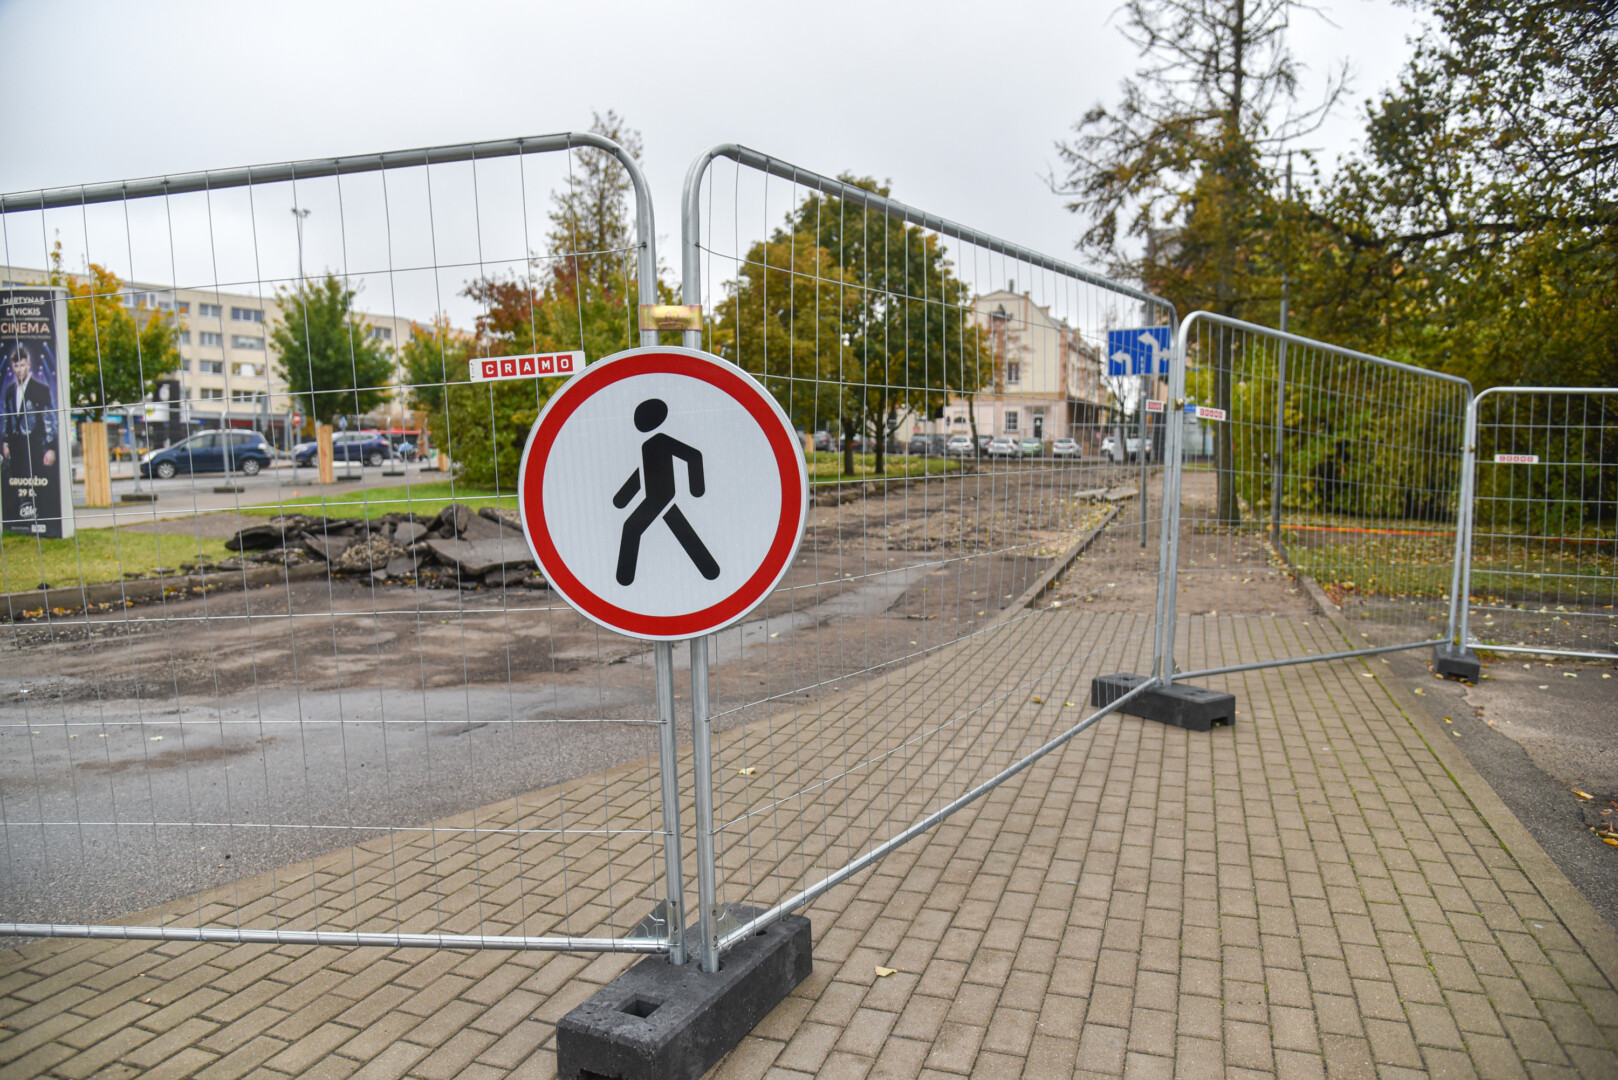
[1144, 350]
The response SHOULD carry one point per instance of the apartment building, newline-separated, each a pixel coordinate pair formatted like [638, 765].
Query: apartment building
[1047, 379]
[228, 375]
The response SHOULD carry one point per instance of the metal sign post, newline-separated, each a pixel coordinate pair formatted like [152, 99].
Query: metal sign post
[664, 494]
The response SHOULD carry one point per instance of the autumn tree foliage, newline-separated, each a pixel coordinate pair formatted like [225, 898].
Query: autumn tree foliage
[852, 318]
[116, 353]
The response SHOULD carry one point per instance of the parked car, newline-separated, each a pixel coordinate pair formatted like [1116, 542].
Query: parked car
[1065, 448]
[1109, 448]
[245, 452]
[825, 441]
[1004, 446]
[1032, 447]
[370, 447]
[925, 445]
[959, 446]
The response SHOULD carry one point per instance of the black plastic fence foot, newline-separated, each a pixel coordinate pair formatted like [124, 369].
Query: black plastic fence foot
[1452, 659]
[660, 1022]
[1194, 708]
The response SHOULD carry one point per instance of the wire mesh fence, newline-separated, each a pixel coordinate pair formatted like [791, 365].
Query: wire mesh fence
[298, 617]
[985, 523]
[1539, 567]
[1308, 468]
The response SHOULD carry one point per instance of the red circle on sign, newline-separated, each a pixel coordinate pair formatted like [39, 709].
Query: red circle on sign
[788, 458]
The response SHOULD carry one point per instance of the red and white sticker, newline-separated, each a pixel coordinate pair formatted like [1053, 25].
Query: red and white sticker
[533, 366]
[1207, 412]
[1153, 406]
[1516, 459]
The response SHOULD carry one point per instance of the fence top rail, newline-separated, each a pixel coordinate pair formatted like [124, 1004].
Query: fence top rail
[1542, 390]
[215, 179]
[691, 205]
[1310, 343]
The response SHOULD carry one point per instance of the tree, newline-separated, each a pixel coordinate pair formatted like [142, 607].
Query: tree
[115, 356]
[849, 314]
[1185, 154]
[325, 355]
[1478, 229]
[584, 295]
[592, 235]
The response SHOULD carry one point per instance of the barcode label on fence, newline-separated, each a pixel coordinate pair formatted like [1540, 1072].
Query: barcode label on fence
[538, 365]
[1516, 459]
[1154, 406]
[1206, 412]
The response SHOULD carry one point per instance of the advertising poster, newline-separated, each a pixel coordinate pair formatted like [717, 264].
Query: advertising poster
[36, 452]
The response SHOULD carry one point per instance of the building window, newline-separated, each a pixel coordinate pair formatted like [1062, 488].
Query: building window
[1013, 371]
[381, 333]
[185, 364]
[208, 311]
[246, 314]
[251, 371]
[211, 367]
[210, 340]
[1011, 420]
[246, 341]
[243, 397]
[182, 337]
[183, 307]
[210, 393]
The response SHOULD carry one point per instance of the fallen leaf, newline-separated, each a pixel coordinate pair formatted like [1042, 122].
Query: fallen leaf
[1420, 691]
[1569, 675]
[1039, 701]
[883, 973]
[1583, 794]
[749, 771]
[1447, 720]
[1067, 705]
[1613, 840]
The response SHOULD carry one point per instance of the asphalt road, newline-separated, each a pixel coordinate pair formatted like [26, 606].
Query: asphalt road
[1538, 733]
[185, 496]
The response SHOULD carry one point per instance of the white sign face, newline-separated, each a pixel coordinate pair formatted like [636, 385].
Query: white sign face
[663, 493]
[1516, 459]
[1208, 412]
[1153, 405]
[533, 366]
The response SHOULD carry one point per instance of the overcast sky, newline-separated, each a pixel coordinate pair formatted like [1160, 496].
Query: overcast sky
[959, 105]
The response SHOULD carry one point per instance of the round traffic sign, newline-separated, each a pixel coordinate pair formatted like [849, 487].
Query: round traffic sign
[663, 492]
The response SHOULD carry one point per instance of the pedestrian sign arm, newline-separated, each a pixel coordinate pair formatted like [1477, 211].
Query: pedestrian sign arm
[693, 462]
[627, 492]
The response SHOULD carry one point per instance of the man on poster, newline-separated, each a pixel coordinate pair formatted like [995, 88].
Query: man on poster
[30, 444]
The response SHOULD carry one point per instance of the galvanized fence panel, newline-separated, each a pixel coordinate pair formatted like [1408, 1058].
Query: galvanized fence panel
[1539, 565]
[958, 586]
[376, 672]
[1304, 473]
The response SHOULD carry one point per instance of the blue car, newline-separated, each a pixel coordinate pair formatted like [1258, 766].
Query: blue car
[246, 452]
[370, 447]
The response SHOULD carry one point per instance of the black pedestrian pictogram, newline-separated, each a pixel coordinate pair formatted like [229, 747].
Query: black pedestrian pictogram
[657, 456]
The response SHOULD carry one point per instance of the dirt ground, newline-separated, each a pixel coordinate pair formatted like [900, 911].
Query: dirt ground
[337, 708]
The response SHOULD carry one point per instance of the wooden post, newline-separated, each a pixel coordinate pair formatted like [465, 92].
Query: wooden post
[97, 466]
[323, 437]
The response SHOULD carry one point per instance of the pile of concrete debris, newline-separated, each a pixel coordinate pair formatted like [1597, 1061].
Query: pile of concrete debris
[459, 548]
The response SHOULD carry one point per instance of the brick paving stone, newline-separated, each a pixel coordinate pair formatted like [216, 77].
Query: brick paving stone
[1309, 894]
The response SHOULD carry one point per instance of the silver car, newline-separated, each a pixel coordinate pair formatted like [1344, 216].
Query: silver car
[1065, 448]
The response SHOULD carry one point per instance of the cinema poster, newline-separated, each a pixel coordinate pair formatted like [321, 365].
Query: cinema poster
[36, 446]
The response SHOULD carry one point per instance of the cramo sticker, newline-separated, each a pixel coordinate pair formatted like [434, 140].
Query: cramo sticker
[1516, 459]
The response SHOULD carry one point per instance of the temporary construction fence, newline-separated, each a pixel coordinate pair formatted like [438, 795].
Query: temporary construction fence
[1324, 468]
[996, 520]
[1538, 565]
[254, 715]
[965, 438]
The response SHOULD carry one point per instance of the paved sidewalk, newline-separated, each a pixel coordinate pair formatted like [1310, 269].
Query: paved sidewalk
[1326, 890]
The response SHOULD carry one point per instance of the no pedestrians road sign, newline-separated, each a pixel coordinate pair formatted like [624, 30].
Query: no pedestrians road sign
[663, 493]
